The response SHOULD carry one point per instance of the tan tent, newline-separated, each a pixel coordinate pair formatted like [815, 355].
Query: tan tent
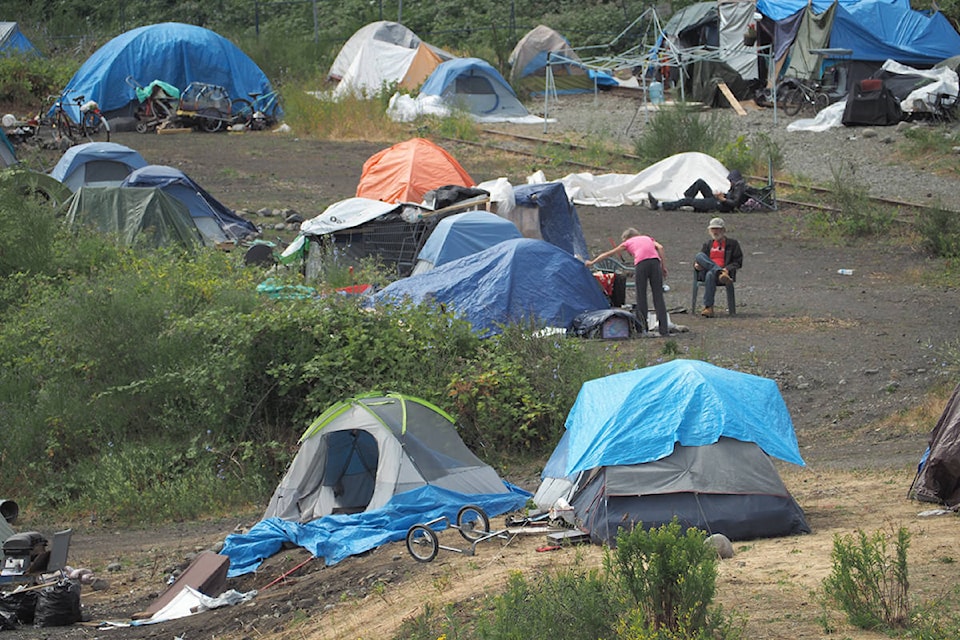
[529, 58]
[421, 66]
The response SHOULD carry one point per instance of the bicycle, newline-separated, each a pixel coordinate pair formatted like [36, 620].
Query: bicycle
[92, 127]
[795, 95]
[260, 112]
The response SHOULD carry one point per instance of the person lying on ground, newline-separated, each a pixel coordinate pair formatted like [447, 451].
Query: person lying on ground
[719, 259]
[649, 269]
[708, 199]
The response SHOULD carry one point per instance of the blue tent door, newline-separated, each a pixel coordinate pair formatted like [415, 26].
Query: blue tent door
[351, 469]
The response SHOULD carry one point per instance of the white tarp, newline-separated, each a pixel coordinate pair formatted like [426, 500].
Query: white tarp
[346, 214]
[377, 64]
[666, 180]
[403, 108]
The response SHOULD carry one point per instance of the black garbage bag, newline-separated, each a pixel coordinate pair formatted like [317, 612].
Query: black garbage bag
[58, 605]
[8, 621]
[18, 606]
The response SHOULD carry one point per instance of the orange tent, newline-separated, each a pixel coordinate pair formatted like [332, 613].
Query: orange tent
[407, 170]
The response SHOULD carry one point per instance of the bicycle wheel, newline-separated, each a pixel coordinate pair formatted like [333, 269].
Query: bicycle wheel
[210, 120]
[792, 101]
[241, 112]
[95, 127]
[422, 543]
[473, 523]
[821, 101]
[62, 132]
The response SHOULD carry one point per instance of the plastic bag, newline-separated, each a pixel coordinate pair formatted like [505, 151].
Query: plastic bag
[58, 605]
[18, 606]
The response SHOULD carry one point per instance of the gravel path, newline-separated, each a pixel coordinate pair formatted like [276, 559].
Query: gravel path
[867, 155]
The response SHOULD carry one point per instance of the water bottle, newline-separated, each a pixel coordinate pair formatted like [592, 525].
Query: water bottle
[656, 92]
[845, 272]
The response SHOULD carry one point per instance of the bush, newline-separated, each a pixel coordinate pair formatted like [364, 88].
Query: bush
[27, 81]
[571, 604]
[940, 232]
[671, 576]
[853, 213]
[867, 583]
[680, 128]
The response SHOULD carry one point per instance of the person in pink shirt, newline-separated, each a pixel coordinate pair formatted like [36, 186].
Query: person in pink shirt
[649, 268]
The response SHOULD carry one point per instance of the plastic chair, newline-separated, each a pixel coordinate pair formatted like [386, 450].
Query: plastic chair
[698, 277]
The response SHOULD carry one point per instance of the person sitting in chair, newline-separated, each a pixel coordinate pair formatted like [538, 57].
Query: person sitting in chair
[708, 199]
[719, 259]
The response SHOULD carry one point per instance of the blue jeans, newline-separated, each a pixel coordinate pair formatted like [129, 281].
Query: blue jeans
[710, 274]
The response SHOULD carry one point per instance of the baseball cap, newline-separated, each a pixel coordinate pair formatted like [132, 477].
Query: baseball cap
[716, 223]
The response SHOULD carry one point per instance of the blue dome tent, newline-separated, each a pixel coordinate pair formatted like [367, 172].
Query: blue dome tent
[100, 164]
[172, 52]
[462, 234]
[216, 222]
[475, 86]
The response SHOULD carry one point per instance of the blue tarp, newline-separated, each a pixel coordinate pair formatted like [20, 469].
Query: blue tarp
[513, 281]
[877, 30]
[559, 222]
[462, 234]
[175, 53]
[638, 416]
[336, 537]
[201, 204]
[473, 84]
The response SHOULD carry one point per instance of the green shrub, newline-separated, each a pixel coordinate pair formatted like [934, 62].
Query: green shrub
[671, 576]
[681, 128]
[868, 583]
[940, 232]
[27, 81]
[572, 604]
[853, 213]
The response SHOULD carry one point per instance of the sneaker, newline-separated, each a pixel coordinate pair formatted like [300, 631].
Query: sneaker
[707, 312]
[654, 204]
[724, 278]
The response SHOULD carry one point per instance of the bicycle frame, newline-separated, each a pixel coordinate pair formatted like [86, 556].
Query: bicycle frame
[92, 126]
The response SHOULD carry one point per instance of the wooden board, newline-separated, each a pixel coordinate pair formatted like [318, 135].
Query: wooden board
[569, 536]
[731, 99]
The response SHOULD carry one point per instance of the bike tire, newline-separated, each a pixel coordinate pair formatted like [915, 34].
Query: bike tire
[95, 128]
[472, 522]
[820, 102]
[241, 112]
[422, 543]
[792, 101]
[210, 120]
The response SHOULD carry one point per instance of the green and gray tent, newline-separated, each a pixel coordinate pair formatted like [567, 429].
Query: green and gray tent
[362, 452]
[137, 216]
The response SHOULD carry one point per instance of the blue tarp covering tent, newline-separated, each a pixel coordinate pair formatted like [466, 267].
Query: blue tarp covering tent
[96, 164]
[216, 222]
[175, 53]
[8, 157]
[462, 234]
[368, 469]
[13, 42]
[684, 438]
[876, 30]
[513, 281]
[475, 86]
[559, 223]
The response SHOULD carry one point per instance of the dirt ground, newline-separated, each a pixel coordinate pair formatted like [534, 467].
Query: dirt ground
[855, 357]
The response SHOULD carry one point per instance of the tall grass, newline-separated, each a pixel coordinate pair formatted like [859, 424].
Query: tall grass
[351, 118]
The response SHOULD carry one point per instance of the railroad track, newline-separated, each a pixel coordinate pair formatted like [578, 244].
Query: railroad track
[532, 146]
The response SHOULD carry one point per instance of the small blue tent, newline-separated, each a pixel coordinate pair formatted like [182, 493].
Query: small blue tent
[475, 86]
[13, 42]
[100, 164]
[684, 438]
[216, 222]
[175, 53]
[513, 281]
[462, 234]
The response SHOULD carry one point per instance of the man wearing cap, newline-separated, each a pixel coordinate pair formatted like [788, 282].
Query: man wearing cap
[719, 259]
[709, 200]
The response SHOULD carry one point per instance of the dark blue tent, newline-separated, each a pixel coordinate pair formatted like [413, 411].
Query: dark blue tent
[513, 281]
[559, 222]
[475, 86]
[216, 222]
[96, 164]
[175, 53]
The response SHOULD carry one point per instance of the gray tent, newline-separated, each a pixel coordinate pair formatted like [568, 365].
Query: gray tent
[362, 452]
[137, 216]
